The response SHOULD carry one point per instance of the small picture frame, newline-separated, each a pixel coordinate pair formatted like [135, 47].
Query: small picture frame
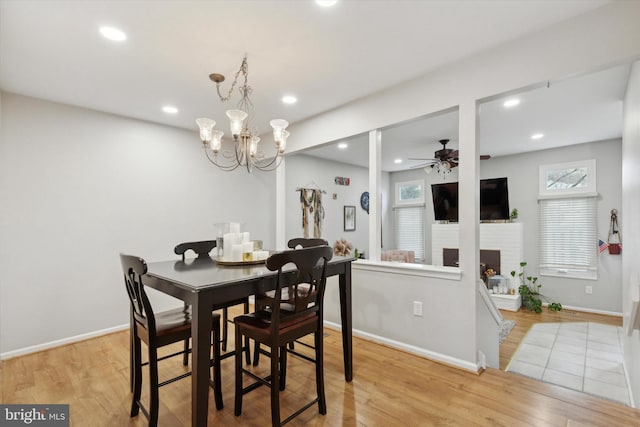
[349, 218]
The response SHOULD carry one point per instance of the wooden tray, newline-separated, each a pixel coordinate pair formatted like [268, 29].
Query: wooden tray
[238, 263]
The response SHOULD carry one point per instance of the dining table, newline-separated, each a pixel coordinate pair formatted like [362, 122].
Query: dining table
[204, 282]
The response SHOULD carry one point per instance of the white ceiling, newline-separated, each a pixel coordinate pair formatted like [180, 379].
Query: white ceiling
[325, 56]
[572, 111]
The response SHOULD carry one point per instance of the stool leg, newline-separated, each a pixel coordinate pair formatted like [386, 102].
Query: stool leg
[283, 367]
[136, 366]
[247, 350]
[153, 386]
[225, 328]
[238, 358]
[185, 356]
[217, 372]
[322, 402]
[256, 354]
[275, 387]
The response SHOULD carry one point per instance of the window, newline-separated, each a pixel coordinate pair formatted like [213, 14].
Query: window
[409, 217]
[409, 192]
[568, 179]
[568, 222]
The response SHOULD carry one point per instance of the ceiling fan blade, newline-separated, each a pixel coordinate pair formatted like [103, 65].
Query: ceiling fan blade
[419, 166]
[454, 154]
[422, 165]
[485, 157]
[416, 158]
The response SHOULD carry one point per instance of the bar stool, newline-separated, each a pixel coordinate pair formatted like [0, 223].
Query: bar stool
[159, 330]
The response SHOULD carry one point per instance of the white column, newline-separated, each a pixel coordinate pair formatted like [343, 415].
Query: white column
[281, 243]
[468, 178]
[375, 205]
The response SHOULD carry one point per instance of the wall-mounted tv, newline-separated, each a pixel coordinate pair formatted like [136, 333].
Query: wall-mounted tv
[494, 200]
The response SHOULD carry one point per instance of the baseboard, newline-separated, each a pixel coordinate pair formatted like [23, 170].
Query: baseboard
[58, 343]
[589, 310]
[436, 357]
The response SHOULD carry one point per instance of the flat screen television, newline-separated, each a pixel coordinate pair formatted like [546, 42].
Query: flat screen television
[494, 200]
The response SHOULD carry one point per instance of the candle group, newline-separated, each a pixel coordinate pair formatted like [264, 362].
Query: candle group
[239, 247]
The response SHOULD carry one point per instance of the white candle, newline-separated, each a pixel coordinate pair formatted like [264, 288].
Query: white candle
[263, 255]
[229, 241]
[245, 237]
[247, 247]
[236, 253]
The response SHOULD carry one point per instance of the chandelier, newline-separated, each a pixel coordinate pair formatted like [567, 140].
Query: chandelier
[246, 150]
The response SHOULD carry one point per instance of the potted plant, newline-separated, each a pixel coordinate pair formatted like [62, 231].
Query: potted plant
[529, 289]
[514, 215]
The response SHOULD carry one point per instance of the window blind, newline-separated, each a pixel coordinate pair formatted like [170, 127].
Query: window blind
[410, 229]
[568, 242]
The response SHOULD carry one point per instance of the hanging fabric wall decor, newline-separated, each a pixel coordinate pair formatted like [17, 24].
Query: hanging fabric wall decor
[311, 204]
[615, 238]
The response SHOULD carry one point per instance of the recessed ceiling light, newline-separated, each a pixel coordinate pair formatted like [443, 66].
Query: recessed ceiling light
[396, 161]
[342, 145]
[537, 136]
[169, 109]
[113, 34]
[289, 99]
[510, 103]
[326, 3]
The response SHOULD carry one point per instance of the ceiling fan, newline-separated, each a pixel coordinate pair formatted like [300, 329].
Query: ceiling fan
[443, 160]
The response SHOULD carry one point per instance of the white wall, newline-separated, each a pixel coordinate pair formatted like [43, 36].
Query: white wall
[631, 230]
[302, 170]
[522, 173]
[590, 41]
[77, 187]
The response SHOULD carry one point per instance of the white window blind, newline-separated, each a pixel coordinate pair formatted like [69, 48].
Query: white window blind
[568, 243]
[410, 229]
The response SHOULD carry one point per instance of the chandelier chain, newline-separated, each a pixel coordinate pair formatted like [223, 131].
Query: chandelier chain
[244, 69]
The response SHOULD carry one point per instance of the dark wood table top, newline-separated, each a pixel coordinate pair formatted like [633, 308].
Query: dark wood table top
[198, 274]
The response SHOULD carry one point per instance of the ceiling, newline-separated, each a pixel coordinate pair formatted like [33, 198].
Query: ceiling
[576, 110]
[325, 56]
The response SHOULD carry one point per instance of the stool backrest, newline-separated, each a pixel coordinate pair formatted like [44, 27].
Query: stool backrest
[202, 248]
[306, 243]
[134, 268]
[310, 271]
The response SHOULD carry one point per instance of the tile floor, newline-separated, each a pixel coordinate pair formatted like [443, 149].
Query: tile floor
[583, 356]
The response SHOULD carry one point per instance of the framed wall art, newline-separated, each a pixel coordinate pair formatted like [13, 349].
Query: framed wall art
[349, 218]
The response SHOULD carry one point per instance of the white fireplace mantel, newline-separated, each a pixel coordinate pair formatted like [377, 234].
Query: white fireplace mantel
[508, 238]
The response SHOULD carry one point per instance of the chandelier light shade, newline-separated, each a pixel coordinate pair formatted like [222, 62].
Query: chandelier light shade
[246, 149]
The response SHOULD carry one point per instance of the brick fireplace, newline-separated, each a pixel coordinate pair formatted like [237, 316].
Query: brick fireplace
[501, 245]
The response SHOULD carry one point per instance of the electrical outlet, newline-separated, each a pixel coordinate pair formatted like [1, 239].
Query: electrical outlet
[417, 308]
[588, 290]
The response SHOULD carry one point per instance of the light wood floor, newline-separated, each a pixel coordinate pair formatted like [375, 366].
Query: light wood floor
[390, 388]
